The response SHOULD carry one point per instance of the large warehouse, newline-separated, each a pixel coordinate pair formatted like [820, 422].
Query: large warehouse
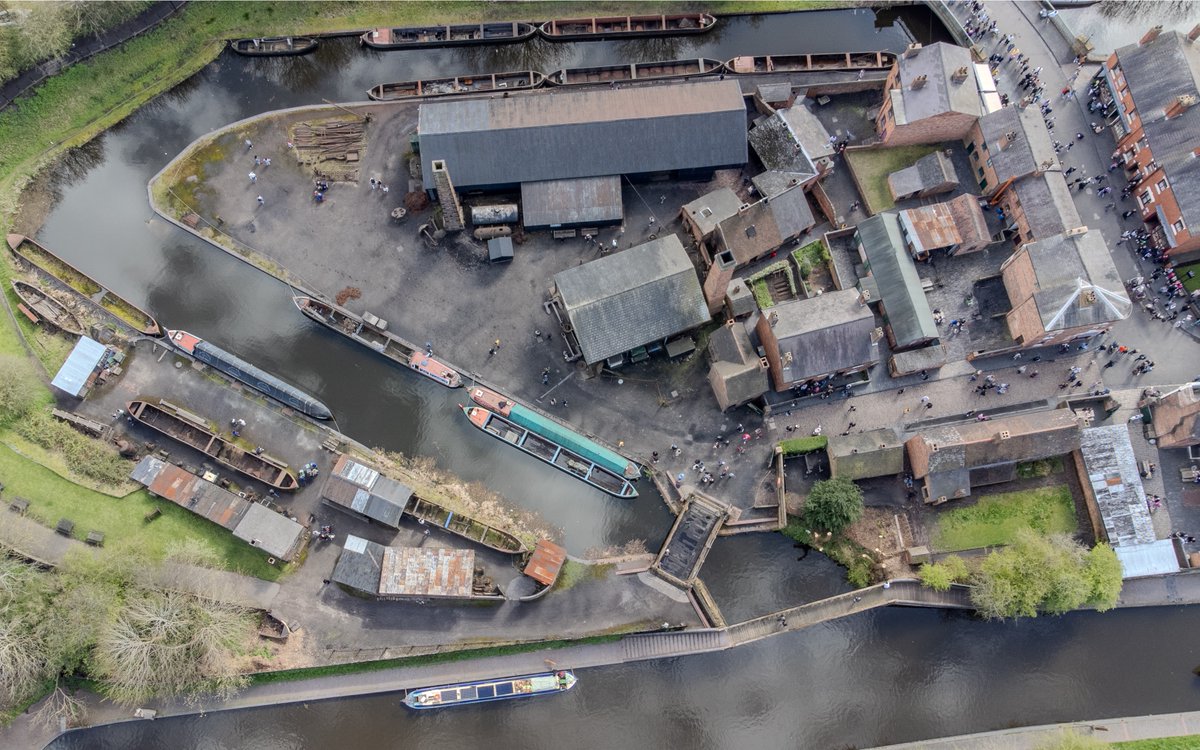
[565, 139]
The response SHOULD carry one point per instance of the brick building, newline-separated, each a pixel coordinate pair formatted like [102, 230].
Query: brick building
[1008, 145]
[932, 94]
[957, 226]
[1063, 288]
[812, 339]
[1151, 91]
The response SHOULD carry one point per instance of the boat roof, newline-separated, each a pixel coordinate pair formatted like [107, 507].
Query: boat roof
[569, 439]
[183, 339]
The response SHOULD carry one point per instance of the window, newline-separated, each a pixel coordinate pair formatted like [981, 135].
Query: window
[1161, 185]
[980, 170]
[971, 148]
[1178, 226]
[1145, 199]
[983, 184]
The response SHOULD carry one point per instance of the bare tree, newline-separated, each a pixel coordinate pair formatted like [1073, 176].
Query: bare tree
[60, 707]
[22, 660]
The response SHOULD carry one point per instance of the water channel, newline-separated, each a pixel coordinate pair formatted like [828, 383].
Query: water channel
[879, 677]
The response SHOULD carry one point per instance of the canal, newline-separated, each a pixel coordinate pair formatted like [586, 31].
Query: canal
[878, 677]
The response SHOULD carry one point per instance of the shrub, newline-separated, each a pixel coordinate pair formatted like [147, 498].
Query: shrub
[91, 458]
[20, 389]
[801, 445]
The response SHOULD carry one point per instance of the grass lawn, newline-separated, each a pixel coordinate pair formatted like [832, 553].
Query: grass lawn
[873, 166]
[1193, 283]
[997, 518]
[1189, 742]
[122, 519]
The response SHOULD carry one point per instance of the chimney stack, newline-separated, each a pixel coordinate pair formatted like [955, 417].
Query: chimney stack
[1150, 36]
[912, 49]
[919, 81]
[1008, 139]
[1179, 105]
[1194, 33]
[960, 75]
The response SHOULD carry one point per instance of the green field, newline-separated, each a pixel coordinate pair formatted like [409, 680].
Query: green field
[122, 519]
[1193, 283]
[873, 166]
[996, 519]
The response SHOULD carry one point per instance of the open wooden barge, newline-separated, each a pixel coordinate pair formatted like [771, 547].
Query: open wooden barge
[624, 27]
[455, 35]
[371, 332]
[194, 432]
[754, 64]
[477, 84]
[647, 71]
[37, 256]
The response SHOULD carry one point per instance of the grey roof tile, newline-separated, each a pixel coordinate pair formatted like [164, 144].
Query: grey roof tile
[895, 275]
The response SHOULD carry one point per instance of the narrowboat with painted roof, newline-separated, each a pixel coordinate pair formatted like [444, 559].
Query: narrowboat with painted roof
[278, 46]
[552, 443]
[455, 35]
[475, 84]
[626, 27]
[645, 71]
[241, 370]
[484, 691]
[372, 333]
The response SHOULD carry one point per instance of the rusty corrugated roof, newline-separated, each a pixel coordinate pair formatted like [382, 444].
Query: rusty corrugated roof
[545, 563]
[414, 571]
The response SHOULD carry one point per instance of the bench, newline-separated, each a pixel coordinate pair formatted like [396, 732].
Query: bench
[19, 505]
[65, 527]
[95, 538]
[1189, 473]
[563, 234]
[153, 515]
[33, 317]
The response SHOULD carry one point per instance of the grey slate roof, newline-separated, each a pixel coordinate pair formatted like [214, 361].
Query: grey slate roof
[787, 143]
[766, 225]
[874, 453]
[973, 445]
[937, 62]
[735, 362]
[273, 532]
[1048, 205]
[360, 565]
[711, 209]
[630, 298]
[1112, 471]
[823, 334]
[1078, 284]
[554, 135]
[583, 200]
[1157, 73]
[1032, 148]
[895, 274]
[933, 170]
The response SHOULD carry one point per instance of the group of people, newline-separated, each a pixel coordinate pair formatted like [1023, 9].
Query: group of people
[308, 473]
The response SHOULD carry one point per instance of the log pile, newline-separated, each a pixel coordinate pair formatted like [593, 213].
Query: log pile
[332, 147]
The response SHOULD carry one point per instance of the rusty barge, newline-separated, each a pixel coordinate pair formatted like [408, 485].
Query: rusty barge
[626, 27]
[473, 84]
[372, 333]
[279, 46]
[831, 61]
[194, 431]
[646, 71]
[455, 35]
[38, 305]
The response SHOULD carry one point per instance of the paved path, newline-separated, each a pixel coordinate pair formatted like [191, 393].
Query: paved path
[1031, 738]
[40, 543]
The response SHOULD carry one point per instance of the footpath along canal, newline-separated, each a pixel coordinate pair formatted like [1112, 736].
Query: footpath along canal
[871, 678]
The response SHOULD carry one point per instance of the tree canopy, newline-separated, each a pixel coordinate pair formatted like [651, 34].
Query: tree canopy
[37, 31]
[940, 575]
[833, 504]
[1051, 574]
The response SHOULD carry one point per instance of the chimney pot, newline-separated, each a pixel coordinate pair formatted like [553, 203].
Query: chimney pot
[912, 49]
[1179, 105]
[1151, 35]
[919, 81]
[1194, 33]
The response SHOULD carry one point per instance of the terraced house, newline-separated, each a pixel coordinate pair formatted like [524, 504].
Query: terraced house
[1151, 91]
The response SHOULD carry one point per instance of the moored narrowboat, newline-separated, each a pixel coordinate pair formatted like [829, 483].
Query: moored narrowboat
[455, 35]
[474, 84]
[483, 691]
[625, 27]
[645, 71]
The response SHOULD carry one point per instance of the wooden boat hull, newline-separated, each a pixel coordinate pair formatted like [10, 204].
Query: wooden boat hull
[355, 328]
[454, 35]
[626, 27]
[484, 691]
[190, 432]
[274, 46]
[49, 309]
[549, 452]
[481, 84]
[150, 326]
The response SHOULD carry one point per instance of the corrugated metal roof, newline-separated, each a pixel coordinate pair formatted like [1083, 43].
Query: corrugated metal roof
[627, 299]
[545, 563]
[553, 135]
[900, 291]
[358, 565]
[417, 571]
[1152, 559]
[189, 491]
[1112, 472]
[73, 375]
[582, 200]
[364, 490]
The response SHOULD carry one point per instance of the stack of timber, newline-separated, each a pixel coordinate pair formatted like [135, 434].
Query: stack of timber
[333, 146]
